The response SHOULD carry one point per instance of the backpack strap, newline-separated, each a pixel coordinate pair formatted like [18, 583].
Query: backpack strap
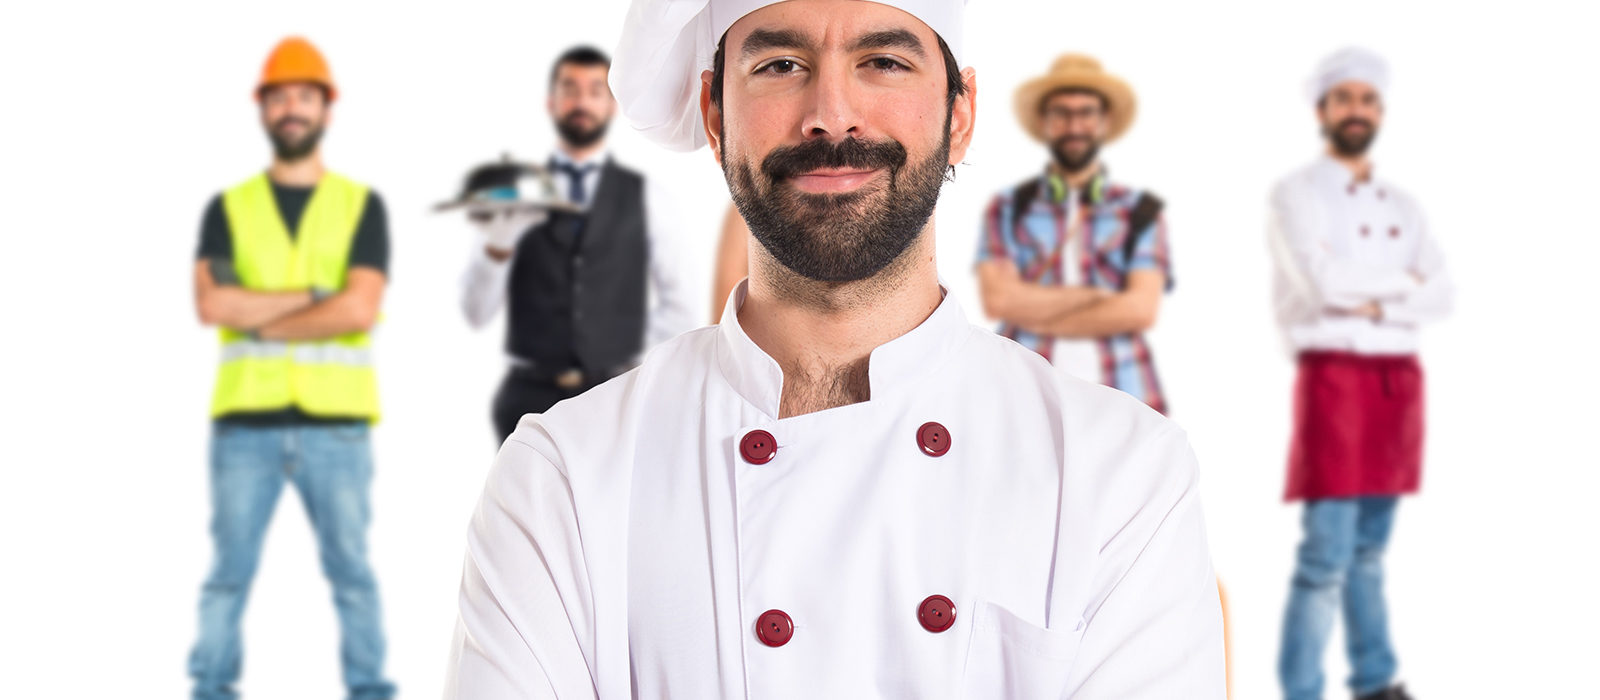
[1022, 198]
[1145, 211]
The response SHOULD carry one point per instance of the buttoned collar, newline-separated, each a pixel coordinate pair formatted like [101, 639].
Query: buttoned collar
[1332, 174]
[893, 368]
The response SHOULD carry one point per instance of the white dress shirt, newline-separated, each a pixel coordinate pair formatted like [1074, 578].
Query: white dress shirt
[670, 311]
[1338, 244]
[1078, 357]
[624, 548]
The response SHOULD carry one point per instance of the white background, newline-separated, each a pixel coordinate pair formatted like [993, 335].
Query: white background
[121, 119]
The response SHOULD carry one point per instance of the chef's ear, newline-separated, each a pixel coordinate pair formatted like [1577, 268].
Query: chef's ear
[963, 116]
[711, 117]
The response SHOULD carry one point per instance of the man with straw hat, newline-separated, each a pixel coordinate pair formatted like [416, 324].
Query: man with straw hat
[1356, 274]
[844, 489]
[1072, 264]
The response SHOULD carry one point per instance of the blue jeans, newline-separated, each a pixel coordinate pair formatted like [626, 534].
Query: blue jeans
[1340, 561]
[331, 467]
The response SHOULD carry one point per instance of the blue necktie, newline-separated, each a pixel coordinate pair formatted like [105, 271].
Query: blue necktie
[576, 192]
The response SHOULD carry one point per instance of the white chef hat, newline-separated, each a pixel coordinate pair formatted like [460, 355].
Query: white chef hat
[1348, 64]
[665, 44]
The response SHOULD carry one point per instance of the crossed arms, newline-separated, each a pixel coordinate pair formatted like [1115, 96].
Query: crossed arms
[1317, 282]
[289, 315]
[1070, 311]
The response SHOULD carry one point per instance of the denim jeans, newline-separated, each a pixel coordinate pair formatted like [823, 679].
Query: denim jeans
[1339, 564]
[331, 467]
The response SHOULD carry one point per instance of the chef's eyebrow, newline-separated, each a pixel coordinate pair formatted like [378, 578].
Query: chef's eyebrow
[763, 39]
[890, 39]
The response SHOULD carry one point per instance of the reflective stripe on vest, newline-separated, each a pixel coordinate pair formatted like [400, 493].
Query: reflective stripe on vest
[331, 377]
[301, 353]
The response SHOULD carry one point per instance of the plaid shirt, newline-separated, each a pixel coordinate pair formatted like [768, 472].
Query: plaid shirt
[1035, 241]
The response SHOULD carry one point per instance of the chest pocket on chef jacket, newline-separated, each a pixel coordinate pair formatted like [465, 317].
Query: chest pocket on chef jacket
[1012, 658]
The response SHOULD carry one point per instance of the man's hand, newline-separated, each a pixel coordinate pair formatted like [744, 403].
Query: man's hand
[1371, 310]
[232, 306]
[502, 229]
[352, 309]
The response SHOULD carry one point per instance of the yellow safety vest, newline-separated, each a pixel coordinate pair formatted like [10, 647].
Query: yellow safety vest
[327, 378]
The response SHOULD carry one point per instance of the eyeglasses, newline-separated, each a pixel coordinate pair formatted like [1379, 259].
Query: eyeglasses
[1067, 116]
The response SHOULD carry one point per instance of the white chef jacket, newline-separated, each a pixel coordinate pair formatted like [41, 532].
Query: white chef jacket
[483, 286]
[624, 548]
[1338, 243]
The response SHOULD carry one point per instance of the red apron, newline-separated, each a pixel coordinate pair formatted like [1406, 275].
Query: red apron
[1357, 426]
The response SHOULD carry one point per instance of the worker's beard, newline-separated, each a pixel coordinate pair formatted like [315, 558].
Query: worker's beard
[577, 136]
[1349, 145]
[290, 150]
[838, 237]
[1074, 162]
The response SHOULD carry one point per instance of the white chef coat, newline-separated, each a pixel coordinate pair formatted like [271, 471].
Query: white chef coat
[1337, 243]
[1078, 357]
[670, 312]
[624, 548]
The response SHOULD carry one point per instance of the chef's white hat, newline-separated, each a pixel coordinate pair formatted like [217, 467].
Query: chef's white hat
[667, 43]
[1349, 64]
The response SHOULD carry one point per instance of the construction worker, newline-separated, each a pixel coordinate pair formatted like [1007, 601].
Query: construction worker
[292, 267]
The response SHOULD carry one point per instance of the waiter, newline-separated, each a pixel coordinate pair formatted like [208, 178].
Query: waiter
[845, 489]
[580, 285]
[1356, 274]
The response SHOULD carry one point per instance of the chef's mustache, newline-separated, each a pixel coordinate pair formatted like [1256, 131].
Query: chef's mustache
[789, 161]
[1352, 121]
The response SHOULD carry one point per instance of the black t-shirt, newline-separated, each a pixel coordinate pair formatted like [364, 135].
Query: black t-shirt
[369, 249]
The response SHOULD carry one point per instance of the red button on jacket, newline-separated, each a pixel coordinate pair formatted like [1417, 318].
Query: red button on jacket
[774, 628]
[758, 447]
[933, 439]
[936, 613]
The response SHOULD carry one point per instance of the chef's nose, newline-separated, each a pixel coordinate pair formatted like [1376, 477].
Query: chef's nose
[832, 108]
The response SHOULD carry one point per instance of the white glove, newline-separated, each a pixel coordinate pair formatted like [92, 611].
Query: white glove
[502, 229]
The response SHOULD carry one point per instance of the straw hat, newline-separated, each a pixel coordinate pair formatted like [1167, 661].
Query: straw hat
[1075, 70]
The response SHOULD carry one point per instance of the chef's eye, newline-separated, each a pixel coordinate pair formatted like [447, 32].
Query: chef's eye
[886, 64]
[780, 67]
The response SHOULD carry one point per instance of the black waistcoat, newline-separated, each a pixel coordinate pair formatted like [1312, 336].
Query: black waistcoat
[577, 287]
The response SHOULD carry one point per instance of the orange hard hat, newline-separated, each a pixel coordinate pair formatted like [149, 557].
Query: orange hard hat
[295, 60]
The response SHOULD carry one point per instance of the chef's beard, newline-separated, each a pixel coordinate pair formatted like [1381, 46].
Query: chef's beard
[1351, 146]
[290, 150]
[1070, 163]
[838, 237]
[577, 136]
